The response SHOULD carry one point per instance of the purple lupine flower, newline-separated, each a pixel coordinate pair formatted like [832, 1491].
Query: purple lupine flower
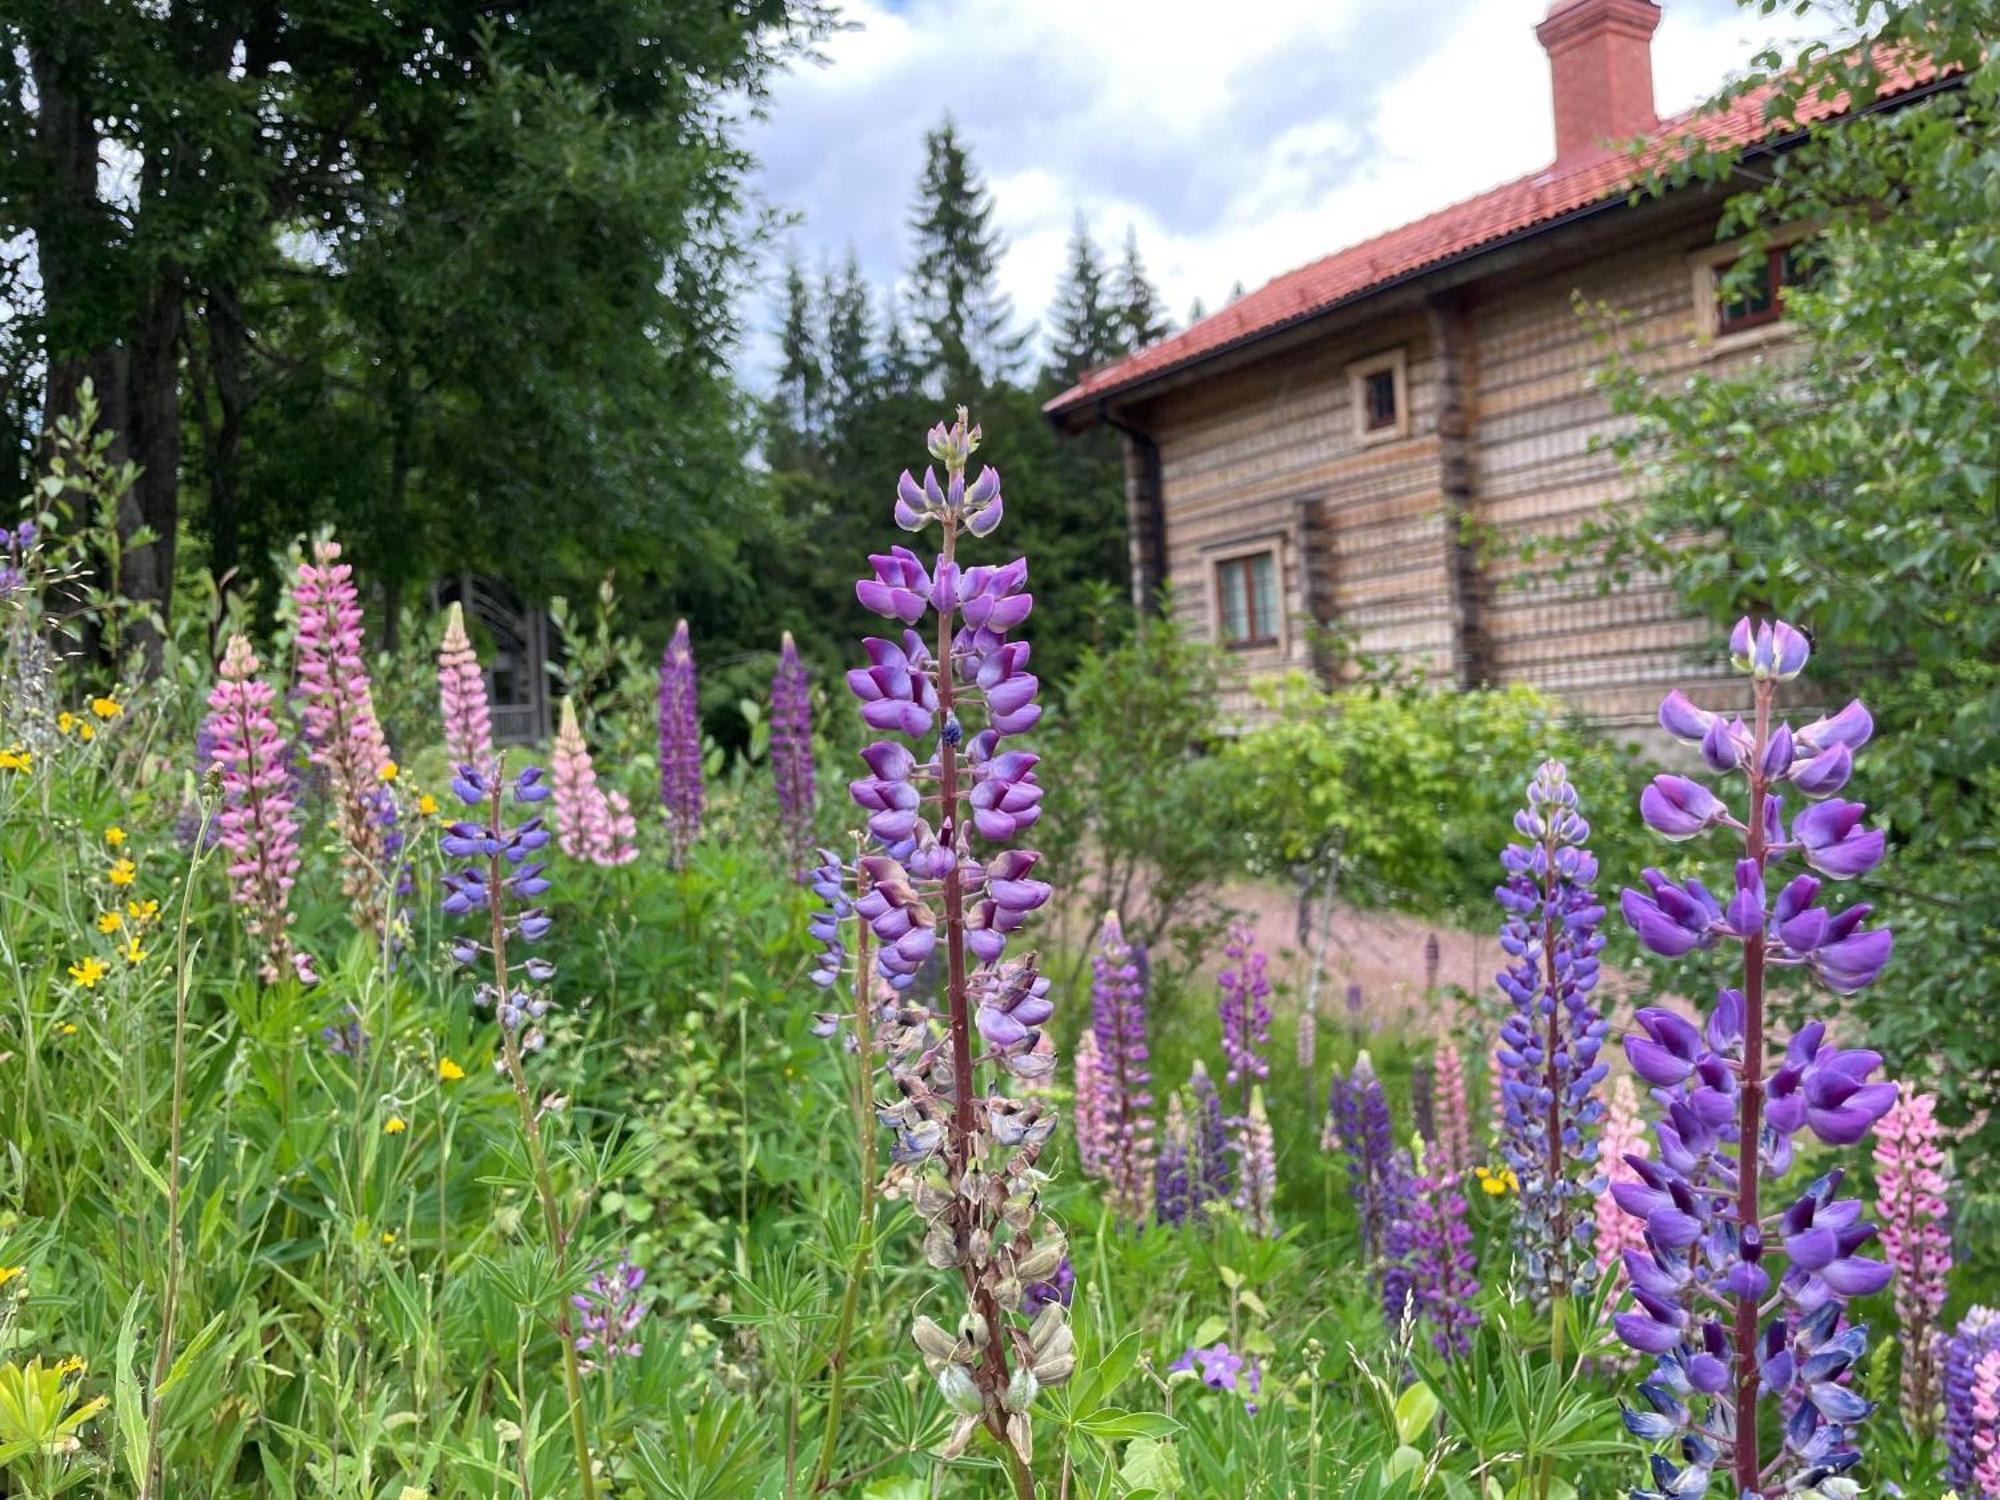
[1911, 1180]
[1549, 1043]
[1738, 1300]
[349, 1038]
[1257, 1154]
[1442, 1267]
[1978, 1337]
[500, 870]
[1124, 1104]
[1359, 1127]
[944, 881]
[792, 748]
[1245, 1009]
[1214, 1174]
[1059, 1288]
[1173, 1176]
[680, 744]
[609, 1312]
[1221, 1370]
[1423, 1099]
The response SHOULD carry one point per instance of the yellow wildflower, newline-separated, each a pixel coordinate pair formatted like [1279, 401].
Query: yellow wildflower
[68, 1028]
[388, 1237]
[449, 1071]
[387, 772]
[394, 1125]
[8, 1273]
[427, 805]
[65, 722]
[86, 732]
[76, 1364]
[142, 912]
[114, 836]
[109, 922]
[88, 972]
[123, 872]
[106, 708]
[18, 758]
[132, 951]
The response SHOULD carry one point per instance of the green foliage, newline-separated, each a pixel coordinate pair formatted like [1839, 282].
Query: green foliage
[1854, 487]
[1403, 793]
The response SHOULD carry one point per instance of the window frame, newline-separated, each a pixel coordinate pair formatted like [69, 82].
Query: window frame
[1711, 267]
[1395, 362]
[1242, 562]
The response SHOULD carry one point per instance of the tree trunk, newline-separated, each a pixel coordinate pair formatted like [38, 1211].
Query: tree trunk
[153, 426]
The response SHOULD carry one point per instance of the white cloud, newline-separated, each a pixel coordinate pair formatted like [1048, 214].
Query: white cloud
[1239, 141]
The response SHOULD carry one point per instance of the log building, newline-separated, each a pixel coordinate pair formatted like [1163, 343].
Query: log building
[1306, 455]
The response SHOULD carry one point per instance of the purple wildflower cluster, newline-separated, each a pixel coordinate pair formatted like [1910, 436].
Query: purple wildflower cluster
[680, 744]
[501, 879]
[1966, 1352]
[1245, 1009]
[966, 1156]
[1736, 1300]
[792, 749]
[609, 1313]
[1358, 1126]
[1121, 1103]
[1549, 1044]
[1440, 1274]
[1221, 1369]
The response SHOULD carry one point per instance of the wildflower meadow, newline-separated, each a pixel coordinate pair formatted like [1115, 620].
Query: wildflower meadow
[390, 1112]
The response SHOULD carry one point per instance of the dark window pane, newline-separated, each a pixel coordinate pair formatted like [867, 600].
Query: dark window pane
[1748, 301]
[1379, 398]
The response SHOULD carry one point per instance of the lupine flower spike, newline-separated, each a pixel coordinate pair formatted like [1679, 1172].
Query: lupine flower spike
[1093, 1134]
[1245, 1010]
[1738, 1299]
[1911, 1181]
[792, 750]
[680, 744]
[591, 824]
[1257, 1151]
[1623, 1141]
[468, 725]
[500, 884]
[1358, 1126]
[255, 824]
[1450, 1111]
[609, 1313]
[1549, 1044]
[1214, 1175]
[947, 880]
[1971, 1426]
[1173, 1171]
[343, 735]
[1124, 1104]
[1441, 1269]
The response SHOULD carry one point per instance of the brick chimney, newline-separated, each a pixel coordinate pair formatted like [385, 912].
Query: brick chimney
[1601, 70]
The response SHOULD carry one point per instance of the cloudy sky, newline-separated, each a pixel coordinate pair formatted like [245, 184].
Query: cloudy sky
[1239, 139]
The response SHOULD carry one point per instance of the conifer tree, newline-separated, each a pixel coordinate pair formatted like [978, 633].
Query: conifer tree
[802, 376]
[965, 339]
[1084, 322]
[1142, 317]
[850, 334]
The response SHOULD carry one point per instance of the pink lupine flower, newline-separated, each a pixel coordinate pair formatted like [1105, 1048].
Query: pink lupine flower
[1093, 1142]
[343, 735]
[1257, 1183]
[255, 824]
[1453, 1117]
[468, 726]
[1911, 1178]
[1986, 1428]
[1624, 1135]
[591, 824]
[1124, 1077]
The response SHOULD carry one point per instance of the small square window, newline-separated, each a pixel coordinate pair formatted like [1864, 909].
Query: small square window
[1755, 296]
[1247, 600]
[1381, 402]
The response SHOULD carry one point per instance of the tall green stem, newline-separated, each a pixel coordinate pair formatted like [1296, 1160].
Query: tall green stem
[531, 1130]
[1750, 1120]
[862, 1103]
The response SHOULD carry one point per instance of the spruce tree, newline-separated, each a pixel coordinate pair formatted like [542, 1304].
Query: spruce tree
[1142, 317]
[964, 338]
[1085, 325]
[802, 376]
[850, 333]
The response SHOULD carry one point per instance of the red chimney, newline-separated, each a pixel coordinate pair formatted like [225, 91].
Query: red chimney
[1601, 68]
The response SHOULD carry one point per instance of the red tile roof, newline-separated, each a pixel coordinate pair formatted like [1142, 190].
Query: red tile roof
[1483, 221]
